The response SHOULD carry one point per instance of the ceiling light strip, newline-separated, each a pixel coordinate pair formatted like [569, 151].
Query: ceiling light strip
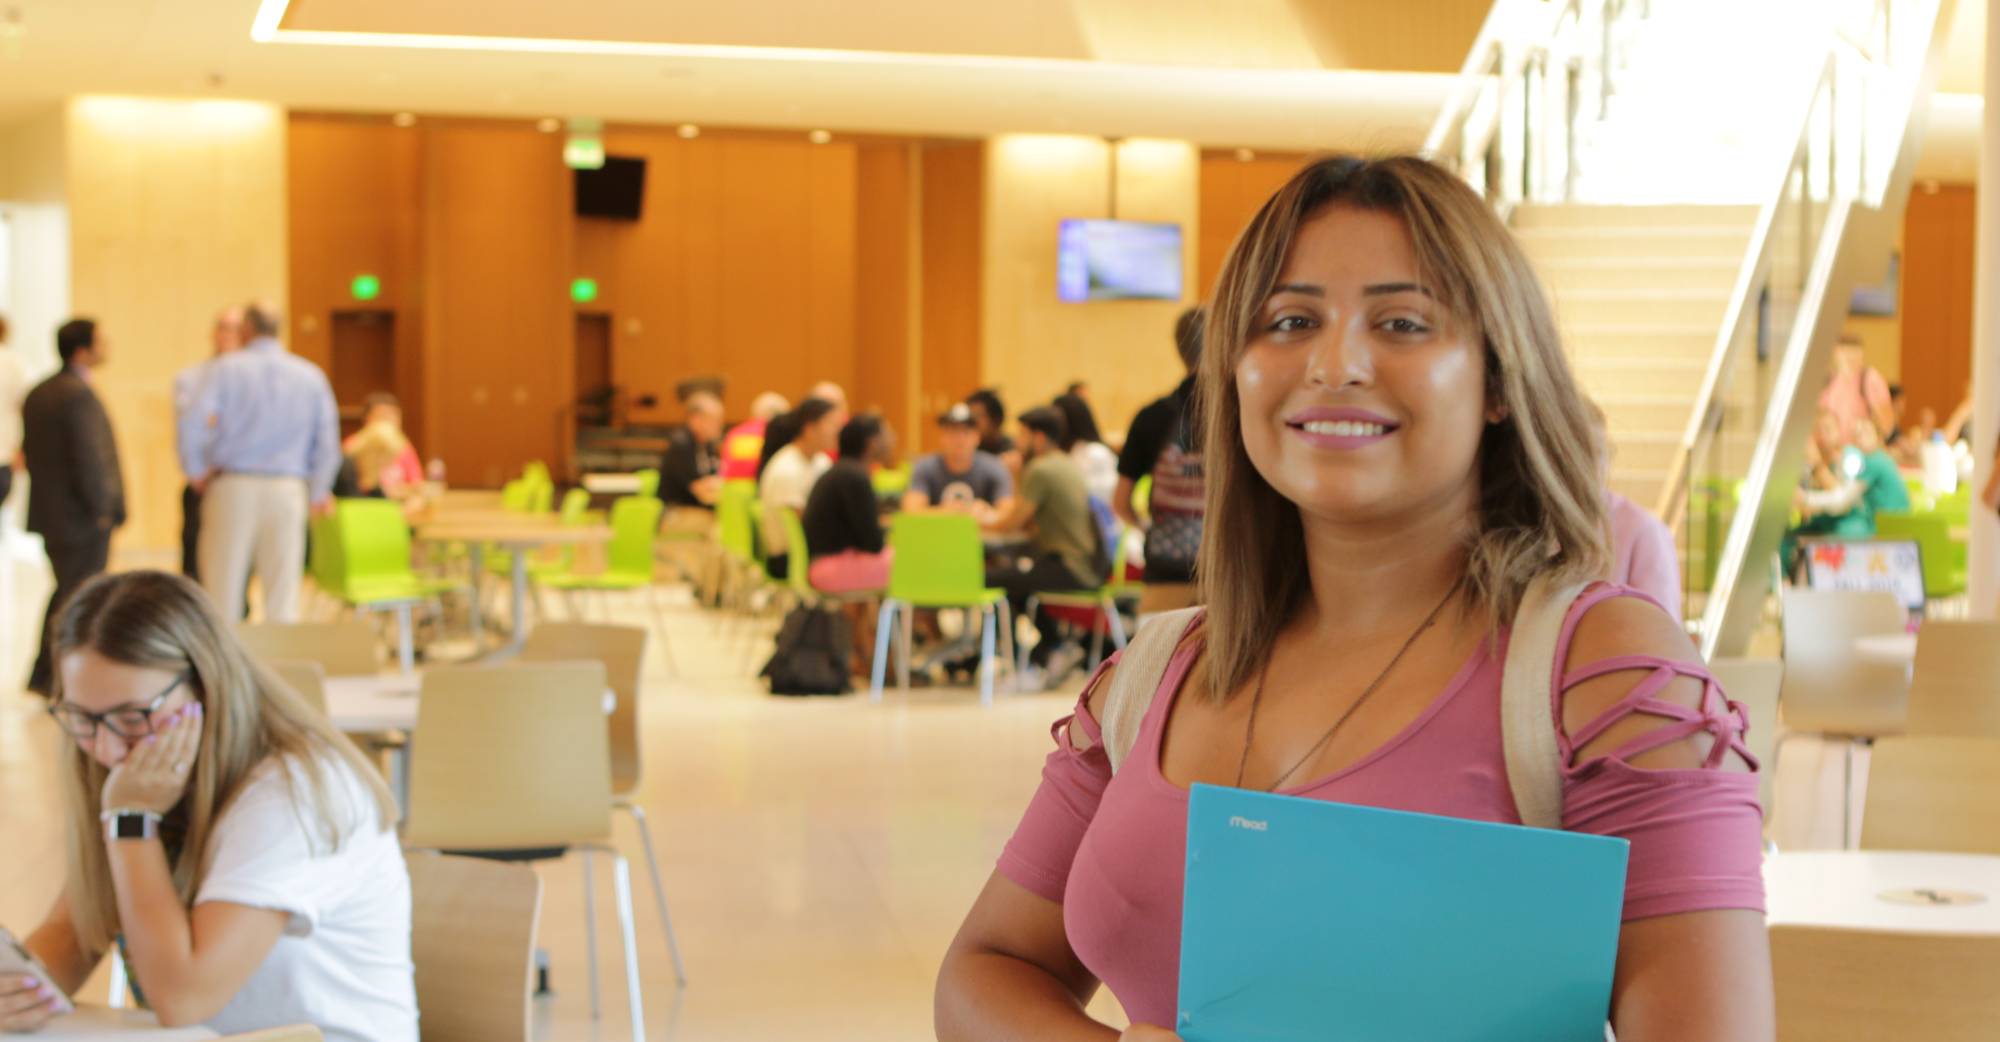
[267, 28]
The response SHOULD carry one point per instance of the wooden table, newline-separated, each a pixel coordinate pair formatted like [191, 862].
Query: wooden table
[518, 533]
[1884, 890]
[612, 484]
[98, 1024]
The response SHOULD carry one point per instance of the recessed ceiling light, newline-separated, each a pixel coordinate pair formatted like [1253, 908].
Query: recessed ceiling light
[819, 137]
[689, 130]
[1244, 155]
[549, 125]
[404, 119]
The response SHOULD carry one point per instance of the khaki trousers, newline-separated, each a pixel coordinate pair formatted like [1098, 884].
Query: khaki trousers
[246, 519]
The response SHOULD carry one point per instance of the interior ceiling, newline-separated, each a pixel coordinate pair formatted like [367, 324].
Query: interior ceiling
[1272, 74]
[1404, 36]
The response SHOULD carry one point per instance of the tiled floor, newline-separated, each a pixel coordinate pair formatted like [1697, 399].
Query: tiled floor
[818, 853]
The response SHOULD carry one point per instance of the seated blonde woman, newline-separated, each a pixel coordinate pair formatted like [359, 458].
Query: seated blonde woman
[237, 850]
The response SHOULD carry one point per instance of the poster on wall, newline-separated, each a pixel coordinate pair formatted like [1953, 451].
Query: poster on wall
[1895, 565]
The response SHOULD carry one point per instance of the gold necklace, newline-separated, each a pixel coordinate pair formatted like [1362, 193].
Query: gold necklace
[1257, 698]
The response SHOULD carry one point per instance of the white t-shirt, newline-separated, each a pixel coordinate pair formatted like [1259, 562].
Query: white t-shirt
[343, 962]
[788, 479]
[13, 390]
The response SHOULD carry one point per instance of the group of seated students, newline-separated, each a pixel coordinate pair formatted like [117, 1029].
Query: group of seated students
[819, 460]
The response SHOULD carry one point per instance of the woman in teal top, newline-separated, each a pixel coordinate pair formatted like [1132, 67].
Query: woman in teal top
[1868, 483]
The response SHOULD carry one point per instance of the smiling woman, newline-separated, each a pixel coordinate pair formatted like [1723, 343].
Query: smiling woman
[1396, 451]
[238, 850]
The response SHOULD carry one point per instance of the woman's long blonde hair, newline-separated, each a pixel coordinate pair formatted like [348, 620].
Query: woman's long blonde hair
[1541, 508]
[158, 621]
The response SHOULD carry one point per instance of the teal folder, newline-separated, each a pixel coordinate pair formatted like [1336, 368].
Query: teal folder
[1309, 921]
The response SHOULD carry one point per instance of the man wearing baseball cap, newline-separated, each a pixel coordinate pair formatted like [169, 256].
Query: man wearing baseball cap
[960, 477]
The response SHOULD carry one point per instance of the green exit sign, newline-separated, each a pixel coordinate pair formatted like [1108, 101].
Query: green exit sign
[583, 291]
[365, 287]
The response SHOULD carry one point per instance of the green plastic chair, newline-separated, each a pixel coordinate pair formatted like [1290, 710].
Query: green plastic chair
[1944, 559]
[1104, 599]
[537, 472]
[1142, 499]
[649, 482]
[628, 562]
[375, 573]
[323, 559]
[892, 481]
[736, 532]
[575, 511]
[940, 563]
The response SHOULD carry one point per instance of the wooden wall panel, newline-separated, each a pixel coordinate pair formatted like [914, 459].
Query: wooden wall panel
[885, 298]
[1232, 191]
[1937, 294]
[741, 265]
[500, 372]
[355, 198]
[952, 248]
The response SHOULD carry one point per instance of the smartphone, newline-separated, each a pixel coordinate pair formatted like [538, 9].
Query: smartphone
[17, 961]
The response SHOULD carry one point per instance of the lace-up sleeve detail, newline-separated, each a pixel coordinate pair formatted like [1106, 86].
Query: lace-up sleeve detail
[1653, 753]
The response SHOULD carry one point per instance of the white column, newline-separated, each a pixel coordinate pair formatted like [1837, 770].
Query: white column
[1985, 563]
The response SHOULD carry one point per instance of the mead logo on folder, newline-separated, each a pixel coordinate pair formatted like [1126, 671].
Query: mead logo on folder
[1308, 921]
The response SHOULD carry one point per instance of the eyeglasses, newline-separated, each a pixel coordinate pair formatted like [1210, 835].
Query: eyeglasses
[125, 721]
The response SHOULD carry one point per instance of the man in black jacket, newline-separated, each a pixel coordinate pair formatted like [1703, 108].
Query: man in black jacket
[77, 495]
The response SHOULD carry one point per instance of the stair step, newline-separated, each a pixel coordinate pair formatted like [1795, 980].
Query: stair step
[1655, 340]
[1653, 450]
[1679, 307]
[1547, 245]
[1568, 274]
[1631, 413]
[1639, 486]
[1614, 376]
[1585, 215]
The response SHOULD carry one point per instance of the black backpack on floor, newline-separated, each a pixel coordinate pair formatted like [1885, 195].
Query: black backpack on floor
[812, 653]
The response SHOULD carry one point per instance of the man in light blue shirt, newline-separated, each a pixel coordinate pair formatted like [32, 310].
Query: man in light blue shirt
[259, 441]
[227, 336]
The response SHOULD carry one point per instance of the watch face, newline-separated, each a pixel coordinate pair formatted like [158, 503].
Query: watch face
[130, 826]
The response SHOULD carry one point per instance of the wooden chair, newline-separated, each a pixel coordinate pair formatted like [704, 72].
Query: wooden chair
[622, 650]
[1955, 685]
[517, 762]
[1846, 985]
[472, 938]
[1829, 689]
[1934, 793]
[344, 649]
[294, 1033]
[1755, 683]
[306, 678]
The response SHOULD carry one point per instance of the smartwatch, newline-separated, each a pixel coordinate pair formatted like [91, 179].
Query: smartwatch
[131, 824]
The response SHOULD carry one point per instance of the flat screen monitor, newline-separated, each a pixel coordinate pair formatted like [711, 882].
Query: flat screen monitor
[1118, 260]
[1895, 565]
[616, 190]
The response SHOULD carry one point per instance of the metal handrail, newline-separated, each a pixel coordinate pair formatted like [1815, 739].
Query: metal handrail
[1741, 314]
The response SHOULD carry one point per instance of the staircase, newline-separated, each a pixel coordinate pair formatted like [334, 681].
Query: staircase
[1699, 183]
[1639, 292]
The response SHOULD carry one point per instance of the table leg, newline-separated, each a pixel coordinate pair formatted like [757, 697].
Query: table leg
[472, 610]
[518, 634]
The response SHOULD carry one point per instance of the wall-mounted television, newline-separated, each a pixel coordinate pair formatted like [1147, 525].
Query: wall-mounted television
[616, 190]
[1118, 260]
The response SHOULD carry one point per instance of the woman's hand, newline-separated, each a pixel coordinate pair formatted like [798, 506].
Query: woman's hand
[1148, 1033]
[26, 1004]
[155, 773]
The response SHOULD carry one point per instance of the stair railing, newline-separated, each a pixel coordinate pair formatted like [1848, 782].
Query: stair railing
[1829, 224]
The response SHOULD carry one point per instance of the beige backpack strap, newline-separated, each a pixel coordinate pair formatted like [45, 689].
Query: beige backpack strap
[1527, 709]
[1141, 666]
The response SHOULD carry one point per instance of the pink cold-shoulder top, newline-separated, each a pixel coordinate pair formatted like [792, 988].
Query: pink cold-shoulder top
[1111, 850]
